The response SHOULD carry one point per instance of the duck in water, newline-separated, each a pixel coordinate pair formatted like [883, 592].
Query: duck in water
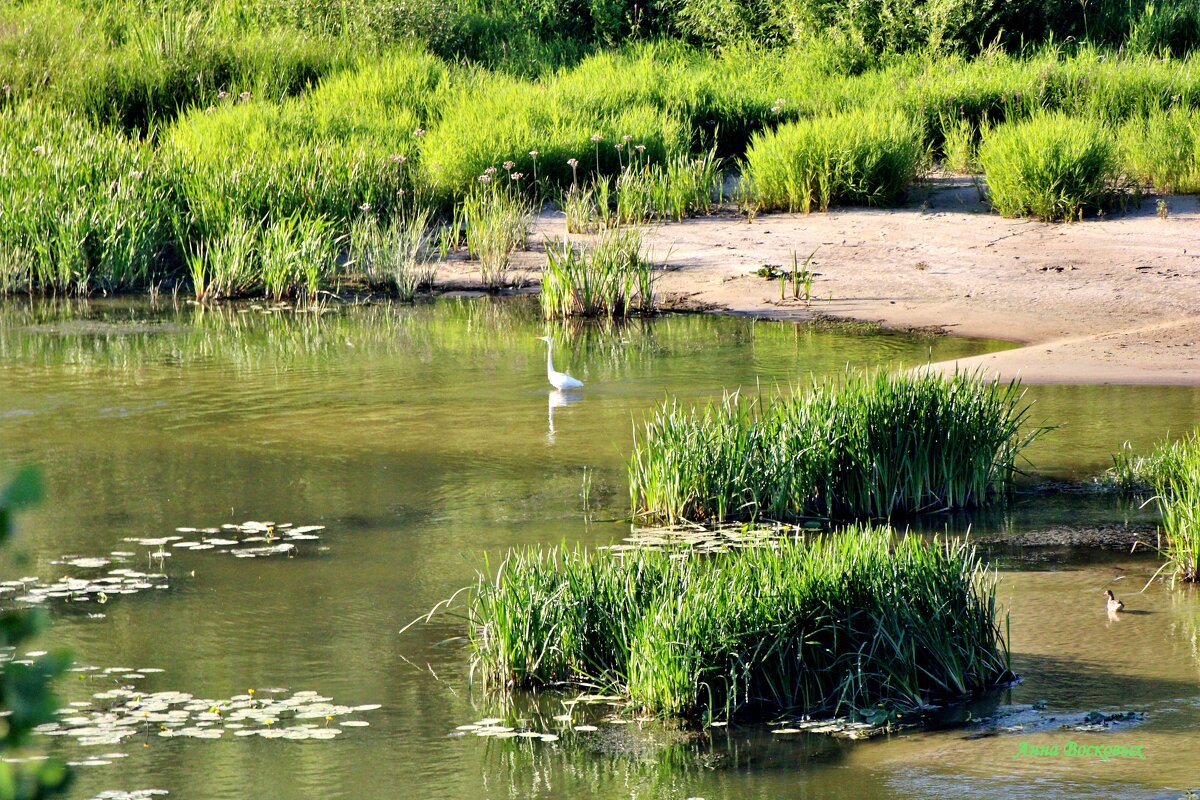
[1114, 605]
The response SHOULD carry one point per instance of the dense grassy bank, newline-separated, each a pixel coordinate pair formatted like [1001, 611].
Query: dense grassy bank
[843, 623]
[864, 446]
[177, 134]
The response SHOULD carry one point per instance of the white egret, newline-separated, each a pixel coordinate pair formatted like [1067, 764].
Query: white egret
[559, 380]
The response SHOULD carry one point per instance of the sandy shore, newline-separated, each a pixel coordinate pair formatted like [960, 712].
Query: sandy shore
[1109, 300]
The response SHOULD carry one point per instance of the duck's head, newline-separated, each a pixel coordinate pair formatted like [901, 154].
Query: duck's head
[1111, 596]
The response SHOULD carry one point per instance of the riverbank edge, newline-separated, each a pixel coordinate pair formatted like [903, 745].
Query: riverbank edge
[1109, 300]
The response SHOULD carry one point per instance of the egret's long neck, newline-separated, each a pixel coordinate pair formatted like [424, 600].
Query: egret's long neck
[549, 357]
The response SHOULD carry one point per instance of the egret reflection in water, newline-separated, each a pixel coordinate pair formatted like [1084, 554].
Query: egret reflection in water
[559, 399]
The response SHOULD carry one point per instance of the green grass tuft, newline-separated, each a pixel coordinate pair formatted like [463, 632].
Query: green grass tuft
[860, 157]
[1051, 166]
[1163, 150]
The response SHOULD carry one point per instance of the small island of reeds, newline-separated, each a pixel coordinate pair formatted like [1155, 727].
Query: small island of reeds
[862, 446]
[861, 622]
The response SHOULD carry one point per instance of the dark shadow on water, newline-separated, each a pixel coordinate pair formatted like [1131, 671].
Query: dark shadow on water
[1073, 684]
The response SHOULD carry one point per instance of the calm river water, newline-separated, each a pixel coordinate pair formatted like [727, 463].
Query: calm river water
[425, 439]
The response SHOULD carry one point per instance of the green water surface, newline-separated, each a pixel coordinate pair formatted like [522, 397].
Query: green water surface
[426, 438]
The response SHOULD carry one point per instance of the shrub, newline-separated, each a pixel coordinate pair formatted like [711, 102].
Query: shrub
[867, 157]
[27, 699]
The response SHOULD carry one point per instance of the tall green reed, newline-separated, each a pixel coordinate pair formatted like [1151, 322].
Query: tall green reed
[81, 207]
[224, 266]
[398, 255]
[1172, 472]
[496, 220]
[298, 256]
[836, 624]
[864, 446]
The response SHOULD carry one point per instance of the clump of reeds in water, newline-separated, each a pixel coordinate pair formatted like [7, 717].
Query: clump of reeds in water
[1172, 472]
[609, 277]
[496, 221]
[834, 624]
[290, 257]
[398, 255]
[298, 253]
[224, 265]
[866, 445]
[1165, 463]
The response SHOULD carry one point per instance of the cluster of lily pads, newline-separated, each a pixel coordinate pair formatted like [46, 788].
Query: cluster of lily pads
[840, 727]
[120, 581]
[124, 713]
[718, 539]
[499, 728]
[246, 540]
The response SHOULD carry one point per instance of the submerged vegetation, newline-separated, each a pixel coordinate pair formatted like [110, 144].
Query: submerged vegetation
[865, 446]
[835, 624]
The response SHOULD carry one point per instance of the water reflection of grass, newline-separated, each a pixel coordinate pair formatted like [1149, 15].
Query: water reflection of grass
[127, 335]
